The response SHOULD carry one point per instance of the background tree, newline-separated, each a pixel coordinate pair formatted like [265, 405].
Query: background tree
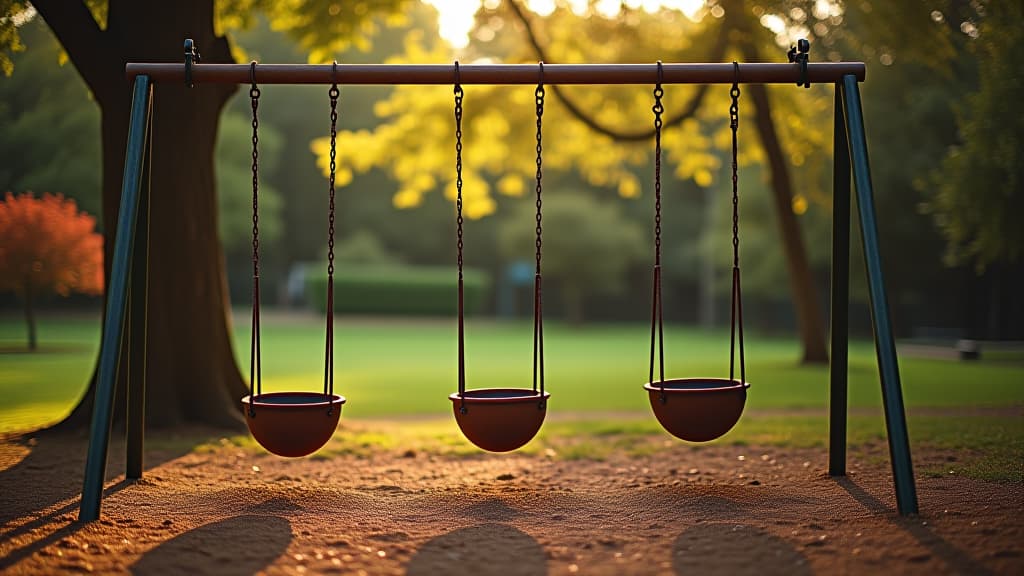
[50, 127]
[603, 133]
[192, 372]
[978, 195]
[47, 246]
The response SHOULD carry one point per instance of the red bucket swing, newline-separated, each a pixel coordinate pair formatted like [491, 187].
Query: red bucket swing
[291, 424]
[697, 409]
[500, 419]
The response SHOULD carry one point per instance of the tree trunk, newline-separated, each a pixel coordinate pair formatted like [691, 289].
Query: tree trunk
[191, 371]
[801, 283]
[30, 318]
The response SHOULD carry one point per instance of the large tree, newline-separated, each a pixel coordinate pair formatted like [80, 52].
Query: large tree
[604, 134]
[192, 373]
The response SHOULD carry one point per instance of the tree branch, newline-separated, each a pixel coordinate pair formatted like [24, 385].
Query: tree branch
[716, 54]
[83, 40]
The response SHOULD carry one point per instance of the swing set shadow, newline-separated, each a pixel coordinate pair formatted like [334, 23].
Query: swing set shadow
[123, 345]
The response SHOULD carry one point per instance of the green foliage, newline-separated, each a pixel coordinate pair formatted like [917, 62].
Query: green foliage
[51, 129]
[12, 12]
[234, 183]
[398, 290]
[322, 28]
[362, 247]
[588, 244]
[979, 194]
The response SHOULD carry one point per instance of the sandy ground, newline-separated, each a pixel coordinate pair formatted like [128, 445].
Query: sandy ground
[714, 510]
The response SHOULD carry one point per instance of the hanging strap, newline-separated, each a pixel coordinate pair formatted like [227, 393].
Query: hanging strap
[736, 320]
[538, 301]
[657, 319]
[255, 381]
[458, 207]
[333, 94]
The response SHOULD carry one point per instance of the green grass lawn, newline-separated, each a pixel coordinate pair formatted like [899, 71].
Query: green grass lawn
[408, 367]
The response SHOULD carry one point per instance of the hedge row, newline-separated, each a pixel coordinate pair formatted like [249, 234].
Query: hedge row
[399, 290]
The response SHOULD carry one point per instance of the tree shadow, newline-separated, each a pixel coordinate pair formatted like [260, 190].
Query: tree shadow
[238, 545]
[481, 550]
[957, 560]
[735, 549]
[44, 486]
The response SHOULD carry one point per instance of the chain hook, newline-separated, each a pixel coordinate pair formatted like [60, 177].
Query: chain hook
[800, 55]
[191, 57]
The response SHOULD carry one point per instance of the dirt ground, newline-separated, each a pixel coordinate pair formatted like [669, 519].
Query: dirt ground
[716, 510]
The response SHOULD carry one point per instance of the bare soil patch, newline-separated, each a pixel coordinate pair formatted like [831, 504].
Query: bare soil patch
[714, 510]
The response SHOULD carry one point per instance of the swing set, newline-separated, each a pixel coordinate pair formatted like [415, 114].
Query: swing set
[695, 409]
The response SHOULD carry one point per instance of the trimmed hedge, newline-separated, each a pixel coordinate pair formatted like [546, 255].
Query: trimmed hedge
[399, 290]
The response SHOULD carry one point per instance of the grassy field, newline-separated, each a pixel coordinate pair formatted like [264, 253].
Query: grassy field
[390, 368]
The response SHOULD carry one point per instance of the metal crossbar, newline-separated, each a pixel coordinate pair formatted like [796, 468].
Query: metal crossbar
[497, 74]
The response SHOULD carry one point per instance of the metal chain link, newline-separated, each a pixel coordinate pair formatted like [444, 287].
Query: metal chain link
[734, 122]
[459, 93]
[657, 319]
[255, 379]
[539, 98]
[658, 110]
[538, 301]
[458, 166]
[254, 96]
[736, 322]
[333, 93]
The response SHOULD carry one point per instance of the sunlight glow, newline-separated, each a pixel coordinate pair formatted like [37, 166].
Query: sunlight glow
[455, 17]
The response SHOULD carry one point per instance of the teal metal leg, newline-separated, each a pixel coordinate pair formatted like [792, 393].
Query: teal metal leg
[885, 346]
[117, 296]
[840, 299]
[137, 324]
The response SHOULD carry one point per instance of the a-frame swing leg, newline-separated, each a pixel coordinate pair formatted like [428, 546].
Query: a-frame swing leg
[137, 329]
[840, 297]
[117, 301]
[885, 346]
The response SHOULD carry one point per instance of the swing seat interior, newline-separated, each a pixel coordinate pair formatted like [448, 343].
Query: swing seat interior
[293, 424]
[697, 409]
[500, 419]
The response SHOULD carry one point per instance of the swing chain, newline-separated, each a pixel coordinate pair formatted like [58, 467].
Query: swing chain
[254, 96]
[459, 94]
[538, 303]
[255, 381]
[333, 93]
[734, 122]
[658, 110]
[657, 318]
[539, 97]
[458, 167]
[736, 307]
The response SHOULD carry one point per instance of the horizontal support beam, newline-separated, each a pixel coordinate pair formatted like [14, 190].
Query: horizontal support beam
[495, 74]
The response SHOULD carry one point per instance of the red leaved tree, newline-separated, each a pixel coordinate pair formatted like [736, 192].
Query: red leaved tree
[47, 245]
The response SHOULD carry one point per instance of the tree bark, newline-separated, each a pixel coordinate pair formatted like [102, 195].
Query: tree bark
[30, 318]
[192, 375]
